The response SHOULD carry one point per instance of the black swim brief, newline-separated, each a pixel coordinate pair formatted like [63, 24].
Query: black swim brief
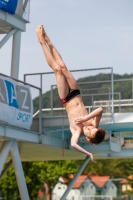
[71, 95]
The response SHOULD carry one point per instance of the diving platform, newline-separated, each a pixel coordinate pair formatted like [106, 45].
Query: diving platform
[49, 135]
[18, 20]
[10, 22]
[54, 142]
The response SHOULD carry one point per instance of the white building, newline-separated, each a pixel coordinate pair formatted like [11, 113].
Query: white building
[92, 185]
[83, 186]
[109, 189]
[104, 186]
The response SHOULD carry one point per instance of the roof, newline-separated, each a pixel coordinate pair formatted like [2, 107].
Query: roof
[125, 181]
[71, 176]
[99, 181]
[80, 181]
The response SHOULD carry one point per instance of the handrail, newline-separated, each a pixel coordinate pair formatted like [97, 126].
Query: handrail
[88, 107]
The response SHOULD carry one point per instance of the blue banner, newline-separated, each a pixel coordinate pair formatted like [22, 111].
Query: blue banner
[9, 5]
[16, 106]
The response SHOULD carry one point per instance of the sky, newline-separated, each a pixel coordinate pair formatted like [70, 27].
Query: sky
[87, 33]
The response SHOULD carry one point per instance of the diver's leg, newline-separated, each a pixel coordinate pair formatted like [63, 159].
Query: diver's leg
[60, 78]
[53, 50]
[69, 77]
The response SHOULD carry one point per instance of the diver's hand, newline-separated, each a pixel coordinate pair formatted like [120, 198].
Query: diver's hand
[92, 159]
[79, 120]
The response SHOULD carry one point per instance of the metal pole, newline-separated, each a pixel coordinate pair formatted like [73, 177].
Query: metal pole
[6, 38]
[132, 89]
[25, 5]
[119, 102]
[19, 171]
[109, 100]
[92, 102]
[41, 81]
[40, 114]
[25, 78]
[51, 100]
[6, 169]
[112, 86]
[4, 153]
[15, 54]
[75, 178]
[40, 108]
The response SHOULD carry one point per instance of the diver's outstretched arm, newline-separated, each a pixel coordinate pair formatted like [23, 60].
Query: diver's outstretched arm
[74, 144]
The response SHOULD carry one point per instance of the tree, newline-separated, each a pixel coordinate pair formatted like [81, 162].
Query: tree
[36, 175]
[9, 186]
[51, 171]
[115, 168]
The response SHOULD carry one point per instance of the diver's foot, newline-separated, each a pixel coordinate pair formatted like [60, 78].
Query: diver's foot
[46, 38]
[40, 34]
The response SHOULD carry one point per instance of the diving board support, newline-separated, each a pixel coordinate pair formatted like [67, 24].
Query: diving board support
[15, 54]
[75, 178]
[4, 152]
[6, 169]
[6, 38]
[19, 171]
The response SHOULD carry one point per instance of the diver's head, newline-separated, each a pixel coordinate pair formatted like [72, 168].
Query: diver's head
[94, 135]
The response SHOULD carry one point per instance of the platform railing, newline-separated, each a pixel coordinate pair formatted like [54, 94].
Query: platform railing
[90, 107]
[23, 9]
[117, 103]
[110, 104]
[45, 80]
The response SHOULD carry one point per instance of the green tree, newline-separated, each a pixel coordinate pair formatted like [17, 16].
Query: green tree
[51, 171]
[9, 186]
[115, 168]
[36, 175]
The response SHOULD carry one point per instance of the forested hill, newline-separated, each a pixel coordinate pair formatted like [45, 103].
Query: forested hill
[123, 87]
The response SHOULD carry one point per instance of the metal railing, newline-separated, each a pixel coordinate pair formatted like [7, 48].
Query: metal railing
[23, 9]
[85, 95]
[109, 103]
[44, 84]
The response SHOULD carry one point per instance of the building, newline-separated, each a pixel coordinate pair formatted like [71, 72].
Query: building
[104, 185]
[92, 185]
[126, 186]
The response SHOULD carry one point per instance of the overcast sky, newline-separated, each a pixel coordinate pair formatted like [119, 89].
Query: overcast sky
[87, 33]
